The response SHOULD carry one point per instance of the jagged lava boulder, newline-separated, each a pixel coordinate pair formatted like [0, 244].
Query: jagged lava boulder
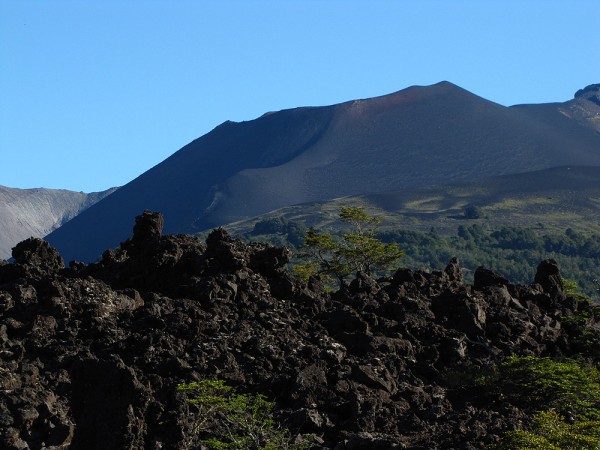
[90, 355]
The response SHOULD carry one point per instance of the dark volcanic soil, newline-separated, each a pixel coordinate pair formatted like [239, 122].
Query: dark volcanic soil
[90, 356]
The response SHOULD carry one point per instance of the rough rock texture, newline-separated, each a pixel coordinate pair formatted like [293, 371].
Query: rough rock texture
[90, 355]
[591, 93]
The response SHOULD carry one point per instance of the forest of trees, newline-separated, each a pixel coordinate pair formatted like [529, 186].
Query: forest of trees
[513, 251]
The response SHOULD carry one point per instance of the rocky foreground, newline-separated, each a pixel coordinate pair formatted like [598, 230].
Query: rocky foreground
[91, 355]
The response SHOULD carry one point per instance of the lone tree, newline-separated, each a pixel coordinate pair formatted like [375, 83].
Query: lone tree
[356, 251]
[472, 212]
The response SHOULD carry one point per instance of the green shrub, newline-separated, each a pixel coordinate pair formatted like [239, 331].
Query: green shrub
[572, 289]
[270, 226]
[582, 325]
[550, 432]
[227, 420]
[305, 271]
[549, 388]
[294, 232]
[541, 383]
[472, 212]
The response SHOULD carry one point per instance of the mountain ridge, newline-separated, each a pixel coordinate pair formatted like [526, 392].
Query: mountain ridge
[36, 212]
[413, 137]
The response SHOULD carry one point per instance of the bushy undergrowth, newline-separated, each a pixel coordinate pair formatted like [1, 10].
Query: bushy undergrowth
[550, 432]
[538, 384]
[225, 419]
[562, 396]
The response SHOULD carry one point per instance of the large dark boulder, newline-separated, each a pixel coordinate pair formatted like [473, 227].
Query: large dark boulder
[146, 231]
[486, 277]
[37, 256]
[549, 277]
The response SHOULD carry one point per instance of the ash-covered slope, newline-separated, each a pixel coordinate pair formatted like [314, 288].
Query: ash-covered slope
[582, 110]
[90, 356]
[414, 137]
[36, 212]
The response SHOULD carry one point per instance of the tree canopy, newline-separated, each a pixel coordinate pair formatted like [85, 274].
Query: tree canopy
[356, 251]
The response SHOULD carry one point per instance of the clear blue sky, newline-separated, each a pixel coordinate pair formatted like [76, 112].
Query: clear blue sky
[93, 93]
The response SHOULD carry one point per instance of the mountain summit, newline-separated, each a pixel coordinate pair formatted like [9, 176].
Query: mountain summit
[417, 136]
[591, 93]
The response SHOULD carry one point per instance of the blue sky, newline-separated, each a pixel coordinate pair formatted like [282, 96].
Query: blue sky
[93, 93]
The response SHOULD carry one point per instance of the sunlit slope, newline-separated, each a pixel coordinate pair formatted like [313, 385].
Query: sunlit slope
[28, 213]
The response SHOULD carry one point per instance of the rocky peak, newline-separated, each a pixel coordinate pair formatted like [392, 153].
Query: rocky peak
[548, 276]
[483, 278]
[591, 93]
[454, 271]
[146, 231]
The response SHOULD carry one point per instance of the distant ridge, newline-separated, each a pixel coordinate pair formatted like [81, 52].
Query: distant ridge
[415, 137]
[28, 213]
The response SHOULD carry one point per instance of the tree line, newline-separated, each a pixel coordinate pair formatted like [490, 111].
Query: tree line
[513, 251]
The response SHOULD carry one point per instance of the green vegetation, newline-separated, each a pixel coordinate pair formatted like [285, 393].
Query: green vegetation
[550, 432]
[572, 288]
[552, 391]
[584, 329]
[508, 224]
[582, 324]
[513, 251]
[472, 212]
[293, 232]
[355, 251]
[227, 420]
[542, 383]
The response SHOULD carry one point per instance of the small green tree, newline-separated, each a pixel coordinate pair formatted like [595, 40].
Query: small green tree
[227, 420]
[472, 212]
[323, 256]
[358, 250]
[572, 288]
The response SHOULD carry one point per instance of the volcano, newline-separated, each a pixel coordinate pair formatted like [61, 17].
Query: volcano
[418, 136]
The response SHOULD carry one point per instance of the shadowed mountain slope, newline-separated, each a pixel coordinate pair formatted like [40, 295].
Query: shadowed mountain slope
[28, 213]
[414, 137]
[562, 197]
